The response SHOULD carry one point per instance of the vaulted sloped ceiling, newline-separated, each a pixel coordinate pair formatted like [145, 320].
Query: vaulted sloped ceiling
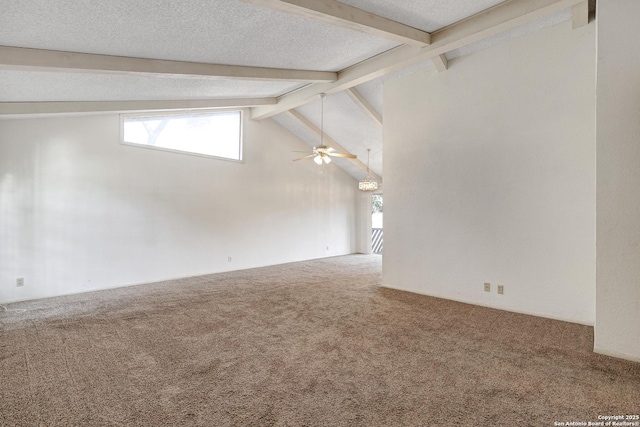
[274, 56]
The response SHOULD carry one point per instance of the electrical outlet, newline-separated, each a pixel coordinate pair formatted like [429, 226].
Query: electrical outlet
[487, 287]
[500, 289]
[20, 281]
[229, 259]
[327, 247]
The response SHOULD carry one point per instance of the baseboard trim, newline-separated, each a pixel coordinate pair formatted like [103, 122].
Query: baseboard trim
[617, 355]
[528, 313]
[164, 279]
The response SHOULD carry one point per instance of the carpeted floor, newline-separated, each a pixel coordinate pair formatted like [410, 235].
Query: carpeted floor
[309, 343]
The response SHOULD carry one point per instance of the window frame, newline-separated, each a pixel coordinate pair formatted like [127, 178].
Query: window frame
[182, 113]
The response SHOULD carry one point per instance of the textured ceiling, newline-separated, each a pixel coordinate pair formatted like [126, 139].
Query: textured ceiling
[427, 15]
[225, 32]
[220, 31]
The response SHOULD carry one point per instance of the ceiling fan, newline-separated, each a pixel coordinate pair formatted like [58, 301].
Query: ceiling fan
[322, 153]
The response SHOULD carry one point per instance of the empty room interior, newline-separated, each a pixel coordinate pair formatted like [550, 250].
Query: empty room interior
[191, 195]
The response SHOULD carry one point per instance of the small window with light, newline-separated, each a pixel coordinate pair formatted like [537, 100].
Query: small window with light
[213, 134]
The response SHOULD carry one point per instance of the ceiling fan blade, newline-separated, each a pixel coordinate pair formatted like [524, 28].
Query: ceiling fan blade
[305, 157]
[347, 156]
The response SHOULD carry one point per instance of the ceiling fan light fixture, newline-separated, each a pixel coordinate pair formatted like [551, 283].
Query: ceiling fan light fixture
[322, 153]
[322, 158]
[368, 184]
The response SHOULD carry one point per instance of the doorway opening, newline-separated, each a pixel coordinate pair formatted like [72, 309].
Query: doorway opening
[376, 224]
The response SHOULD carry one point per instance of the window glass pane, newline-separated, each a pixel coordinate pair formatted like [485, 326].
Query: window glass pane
[211, 134]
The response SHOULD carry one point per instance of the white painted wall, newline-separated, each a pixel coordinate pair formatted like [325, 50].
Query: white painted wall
[490, 177]
[79, 211]
[617, 329]
[363, 234]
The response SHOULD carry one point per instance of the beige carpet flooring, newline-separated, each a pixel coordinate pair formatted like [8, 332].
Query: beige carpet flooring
[309, 343]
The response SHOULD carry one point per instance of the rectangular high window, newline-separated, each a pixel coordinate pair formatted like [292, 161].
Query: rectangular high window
[215, 134]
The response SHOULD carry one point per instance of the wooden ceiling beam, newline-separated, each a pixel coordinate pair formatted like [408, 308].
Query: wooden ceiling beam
[580, 14]
[440, 62]
[364, 105]
[53, 60]
[74, 107]
[342, 15]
